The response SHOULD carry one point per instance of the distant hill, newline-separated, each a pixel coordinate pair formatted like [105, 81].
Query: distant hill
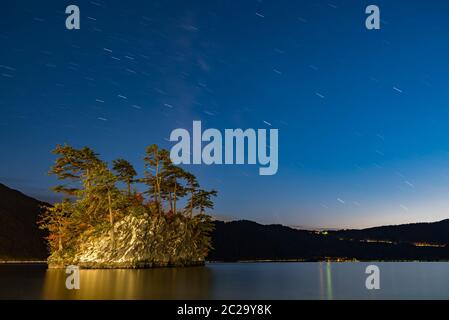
[246, 240]
[434, 232]
[20, 238]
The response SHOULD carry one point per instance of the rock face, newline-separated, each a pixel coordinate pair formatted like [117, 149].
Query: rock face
[137, 242]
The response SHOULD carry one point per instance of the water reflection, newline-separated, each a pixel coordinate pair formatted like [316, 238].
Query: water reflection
[330, 295]
[232, 281]
[161, 283]
[325, 280]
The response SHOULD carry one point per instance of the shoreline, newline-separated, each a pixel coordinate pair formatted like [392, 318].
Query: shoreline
[23, 262]
[314, 261]
[39, 262]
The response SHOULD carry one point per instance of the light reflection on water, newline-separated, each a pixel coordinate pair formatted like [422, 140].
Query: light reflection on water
[320, 280]
[161, 283]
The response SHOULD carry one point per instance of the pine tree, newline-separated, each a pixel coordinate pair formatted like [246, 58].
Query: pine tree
[154, 165]
[125, 172]
[102, 187]
[202, 200]
[191, 188]
[74, 165]
[173, 187]
[57, 221]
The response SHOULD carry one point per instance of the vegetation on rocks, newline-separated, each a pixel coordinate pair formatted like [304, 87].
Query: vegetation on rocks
[104, 222]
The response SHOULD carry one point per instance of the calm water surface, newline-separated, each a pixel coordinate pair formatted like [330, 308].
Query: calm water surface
[399, 280]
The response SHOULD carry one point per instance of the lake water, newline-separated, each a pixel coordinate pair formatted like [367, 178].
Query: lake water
[398, 280]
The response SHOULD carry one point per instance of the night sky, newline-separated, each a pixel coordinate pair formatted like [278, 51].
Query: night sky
[363, 116]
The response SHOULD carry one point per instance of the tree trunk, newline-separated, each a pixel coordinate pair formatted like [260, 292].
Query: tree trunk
[87, 178]
[170, 201]
[60, 241]
[111, 218]
[158, 188]
[174, 199]
[191, 205]
[155, 195]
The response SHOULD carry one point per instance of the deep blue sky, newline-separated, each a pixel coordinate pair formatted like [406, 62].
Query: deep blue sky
[362, 115]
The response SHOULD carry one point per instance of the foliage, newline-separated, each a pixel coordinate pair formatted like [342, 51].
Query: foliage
[95, 203]
[125, 172]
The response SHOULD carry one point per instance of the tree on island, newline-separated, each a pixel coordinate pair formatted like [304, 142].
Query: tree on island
[125, 172]
[202, 199]
[93, 202]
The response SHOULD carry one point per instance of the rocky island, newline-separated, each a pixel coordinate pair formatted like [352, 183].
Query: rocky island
[104, 222]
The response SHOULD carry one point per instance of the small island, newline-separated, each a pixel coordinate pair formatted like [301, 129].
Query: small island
[104, 222]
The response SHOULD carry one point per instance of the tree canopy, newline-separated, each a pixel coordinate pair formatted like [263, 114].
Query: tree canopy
[96, 196]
